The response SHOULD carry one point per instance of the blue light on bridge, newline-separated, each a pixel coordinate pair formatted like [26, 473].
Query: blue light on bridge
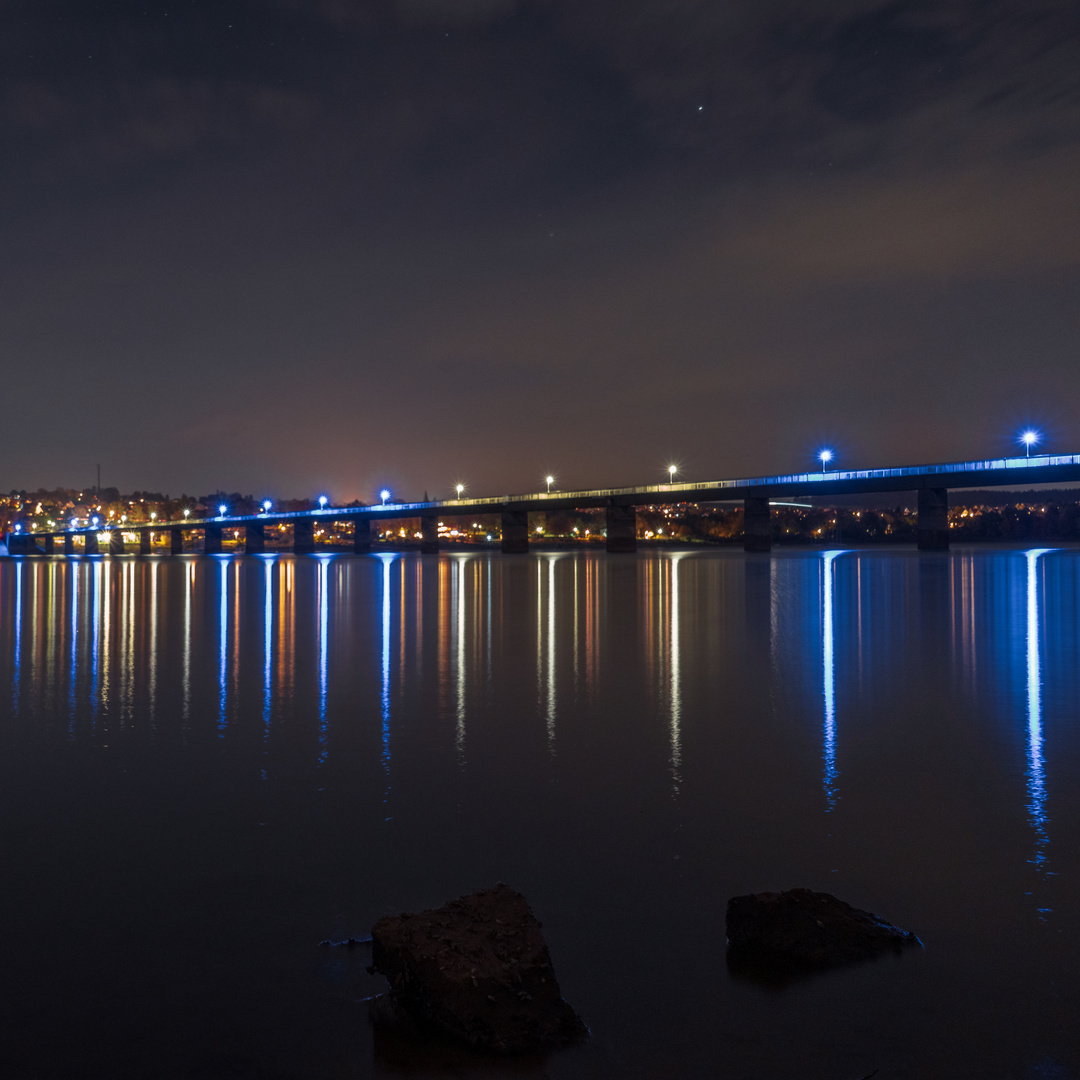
[323, 500]
[825, 455]
[266, 506]
[222, 509]
[1029, 438]
[384, 495]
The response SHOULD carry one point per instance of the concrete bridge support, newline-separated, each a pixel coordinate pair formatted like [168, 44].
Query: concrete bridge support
[255, 537]
[21, 544]
[212, 540]
[144, 541]
[47, 543]
[932, 524]
[69, 544]
[621, 529]
[757, 528]
[361, 537]
[91, 544]
[303, 536]
[116, 542]
[429, 534]
[176, 541]
[515, 532]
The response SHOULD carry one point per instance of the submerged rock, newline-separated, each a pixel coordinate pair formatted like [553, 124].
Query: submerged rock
[476, 970]
[809, 929]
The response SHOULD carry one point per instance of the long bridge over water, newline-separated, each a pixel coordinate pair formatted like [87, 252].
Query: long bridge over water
[931, 483]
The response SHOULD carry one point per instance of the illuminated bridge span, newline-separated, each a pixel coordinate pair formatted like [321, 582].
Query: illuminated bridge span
[931, 483]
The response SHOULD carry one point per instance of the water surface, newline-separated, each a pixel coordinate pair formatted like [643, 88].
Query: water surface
[209, 765]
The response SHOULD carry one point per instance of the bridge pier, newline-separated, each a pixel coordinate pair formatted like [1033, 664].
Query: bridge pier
[144, 541]
[621, 529]
[515, 532]
[361, 537]
[69, 544]
[212, 539]
[116, 542]
[932, 524]
[757, 528]
[91, 543]
[22, 544]
[429, 534]
[255, 537]
[47, 543]
[303, 536]
[176, 541]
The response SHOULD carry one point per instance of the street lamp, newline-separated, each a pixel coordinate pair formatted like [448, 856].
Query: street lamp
[672, 470]
[1029, 438]
[825, 456]
[459, 488]
[549, 480]
[384, 495]
[322, 502]
[221, 510]
[266, 506]
[187, 514]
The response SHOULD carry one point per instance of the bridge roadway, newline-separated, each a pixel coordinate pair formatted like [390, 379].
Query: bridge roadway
[930, 482]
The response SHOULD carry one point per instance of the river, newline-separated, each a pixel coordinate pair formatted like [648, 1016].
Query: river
[210, 765]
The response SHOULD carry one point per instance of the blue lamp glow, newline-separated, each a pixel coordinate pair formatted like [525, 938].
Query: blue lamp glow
[1029, 438]
[94, 520]
[323, 500]
[384, 495]
[825, 456]
[221, 510]
[266, 506]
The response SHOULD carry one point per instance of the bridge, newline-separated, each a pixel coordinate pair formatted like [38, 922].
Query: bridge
[931, 483]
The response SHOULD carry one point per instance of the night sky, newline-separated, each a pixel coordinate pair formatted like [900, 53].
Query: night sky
[283, 246]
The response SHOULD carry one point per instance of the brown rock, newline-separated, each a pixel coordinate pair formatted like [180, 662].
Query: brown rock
[810, 929]
[478, 971]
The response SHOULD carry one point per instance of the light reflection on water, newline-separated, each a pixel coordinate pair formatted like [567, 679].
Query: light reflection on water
[1036, 773]
[794, 686]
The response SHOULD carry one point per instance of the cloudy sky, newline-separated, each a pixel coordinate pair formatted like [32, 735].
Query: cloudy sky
[279, 246]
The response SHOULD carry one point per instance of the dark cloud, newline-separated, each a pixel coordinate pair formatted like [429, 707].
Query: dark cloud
[550, 228]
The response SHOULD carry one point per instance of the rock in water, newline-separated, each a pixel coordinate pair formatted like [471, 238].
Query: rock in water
[809, 928]
[477, 970]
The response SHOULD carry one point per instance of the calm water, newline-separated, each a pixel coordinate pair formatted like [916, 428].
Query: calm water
[207, 766]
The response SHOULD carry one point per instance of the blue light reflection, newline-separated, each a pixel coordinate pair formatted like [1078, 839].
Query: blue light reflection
[324, 625]
[830, 773]
[384, 696]
[1036, 769]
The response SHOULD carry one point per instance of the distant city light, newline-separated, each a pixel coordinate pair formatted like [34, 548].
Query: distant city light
[384, 495]
[1029, 438]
